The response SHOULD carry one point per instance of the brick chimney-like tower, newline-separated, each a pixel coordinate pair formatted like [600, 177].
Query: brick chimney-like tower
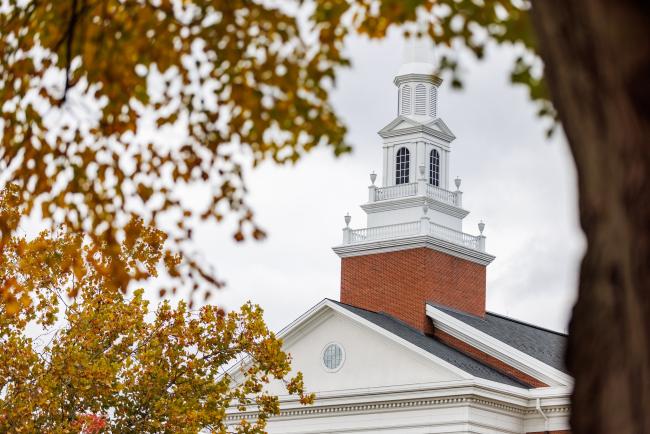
[413, 250]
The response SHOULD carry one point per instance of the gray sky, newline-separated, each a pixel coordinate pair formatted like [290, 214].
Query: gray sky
[522, 185]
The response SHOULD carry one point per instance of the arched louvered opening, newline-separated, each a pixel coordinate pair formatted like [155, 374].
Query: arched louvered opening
[434, 168]
[402, 166]
[406, 100]
[420, 99]
[433, 102]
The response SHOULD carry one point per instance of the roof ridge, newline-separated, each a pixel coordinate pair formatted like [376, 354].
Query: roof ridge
[507, 318]
[460, 312]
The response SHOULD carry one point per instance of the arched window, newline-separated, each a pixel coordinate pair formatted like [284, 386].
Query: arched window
[402, 166]
[420, 99]
[434, 168]
[406, 100]
[433, 102]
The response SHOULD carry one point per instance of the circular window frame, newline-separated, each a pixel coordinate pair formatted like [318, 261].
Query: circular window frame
[322, 358]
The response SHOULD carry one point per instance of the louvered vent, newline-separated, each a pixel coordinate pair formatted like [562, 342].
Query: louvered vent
[420, 99]
[433, 102]
[406, 100]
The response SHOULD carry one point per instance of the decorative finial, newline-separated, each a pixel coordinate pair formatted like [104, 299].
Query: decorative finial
[347, 220]
[425, 209]
[421, 169]
[457, 182]
[481, 226]
[373, 177]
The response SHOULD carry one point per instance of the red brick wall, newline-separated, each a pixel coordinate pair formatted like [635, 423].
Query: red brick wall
[487, 359]
[400, 283]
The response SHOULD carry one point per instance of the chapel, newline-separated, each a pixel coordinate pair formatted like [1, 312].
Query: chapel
[409, 346]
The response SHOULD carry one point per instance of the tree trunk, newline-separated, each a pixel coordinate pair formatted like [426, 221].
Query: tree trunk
[597, 60]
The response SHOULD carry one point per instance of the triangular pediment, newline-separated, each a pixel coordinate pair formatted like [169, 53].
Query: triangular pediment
[399, 123]
[372, 357]
[439, 125]
[404, 125]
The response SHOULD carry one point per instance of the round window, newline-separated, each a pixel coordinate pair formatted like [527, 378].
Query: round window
[333, 357]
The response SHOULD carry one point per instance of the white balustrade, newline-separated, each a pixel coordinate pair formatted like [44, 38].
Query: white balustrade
[442, 195]
[396, 191]
[411, 189]
[409, 229]
[456, 237]
[385, 232]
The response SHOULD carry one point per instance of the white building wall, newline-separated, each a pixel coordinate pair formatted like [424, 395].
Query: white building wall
[411, 214]
[419, 152]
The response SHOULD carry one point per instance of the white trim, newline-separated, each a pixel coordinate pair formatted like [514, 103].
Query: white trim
[501, 398]
[414, 201]
[444, 133]
[438, 122]
[427, 241]
[498, 349]
[434, 79]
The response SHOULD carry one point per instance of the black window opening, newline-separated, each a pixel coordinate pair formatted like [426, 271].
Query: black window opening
[434, 168]
[402, 166]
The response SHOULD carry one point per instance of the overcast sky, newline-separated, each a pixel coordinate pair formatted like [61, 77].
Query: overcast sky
[521, 184]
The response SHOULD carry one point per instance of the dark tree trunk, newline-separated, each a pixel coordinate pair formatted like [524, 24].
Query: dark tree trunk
[597, 59]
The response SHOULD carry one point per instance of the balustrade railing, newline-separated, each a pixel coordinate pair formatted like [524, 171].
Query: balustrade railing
[416, 188]
[409, 229]
[442, 195]
[385, 232]
[456, 237]
[395, 191]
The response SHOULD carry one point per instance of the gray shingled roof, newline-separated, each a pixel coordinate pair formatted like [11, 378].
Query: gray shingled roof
[545, 345]
[433, 346]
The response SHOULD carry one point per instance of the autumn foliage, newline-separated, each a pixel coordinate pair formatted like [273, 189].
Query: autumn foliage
[80, 356]
[114, 110]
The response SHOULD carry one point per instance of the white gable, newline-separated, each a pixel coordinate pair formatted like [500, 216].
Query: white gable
[402, 125]
[372, 359]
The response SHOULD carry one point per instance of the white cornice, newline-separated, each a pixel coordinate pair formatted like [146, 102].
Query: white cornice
[430, 395]
[498, 349]
[414, 201]
[398, 244]
[442, 126]
[416, 127]
[434, 79]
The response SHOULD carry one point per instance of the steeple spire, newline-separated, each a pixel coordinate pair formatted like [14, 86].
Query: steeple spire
[416, 82]
[414, 250]
[419, 51]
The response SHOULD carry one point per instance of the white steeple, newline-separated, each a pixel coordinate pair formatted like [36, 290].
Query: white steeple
[415, 173]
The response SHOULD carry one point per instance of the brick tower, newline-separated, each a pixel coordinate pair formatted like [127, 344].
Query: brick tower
[413, 249]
